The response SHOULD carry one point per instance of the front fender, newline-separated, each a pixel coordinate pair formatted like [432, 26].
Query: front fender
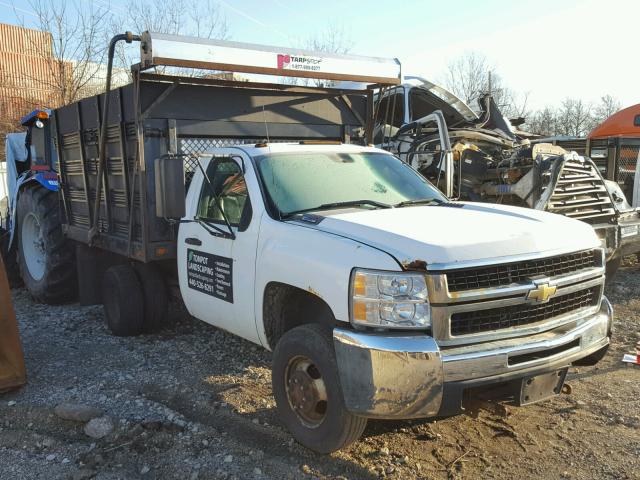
[312, 260]
[48, 180]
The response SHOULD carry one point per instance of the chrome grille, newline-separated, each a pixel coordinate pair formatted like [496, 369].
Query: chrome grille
[508, 273]
[580, 193]
[465, 323]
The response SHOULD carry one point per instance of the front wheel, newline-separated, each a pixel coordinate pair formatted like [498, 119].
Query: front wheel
[308, 393]
[45, 258]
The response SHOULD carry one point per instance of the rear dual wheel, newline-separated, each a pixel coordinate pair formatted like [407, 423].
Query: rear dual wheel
[134, 298]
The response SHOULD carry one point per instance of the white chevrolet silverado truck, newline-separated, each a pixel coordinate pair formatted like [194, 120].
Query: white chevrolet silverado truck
[379, 297]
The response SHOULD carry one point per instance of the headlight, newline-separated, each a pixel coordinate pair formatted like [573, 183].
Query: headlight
[390, 300]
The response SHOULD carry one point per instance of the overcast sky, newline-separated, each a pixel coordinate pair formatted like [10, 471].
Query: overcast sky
[552, 49]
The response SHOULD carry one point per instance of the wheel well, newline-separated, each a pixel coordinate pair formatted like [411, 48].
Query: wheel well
[286, 307]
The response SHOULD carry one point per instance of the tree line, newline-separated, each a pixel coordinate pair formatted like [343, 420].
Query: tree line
[471, 76]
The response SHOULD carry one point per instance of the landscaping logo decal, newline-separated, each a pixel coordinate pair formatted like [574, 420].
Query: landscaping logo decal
[210, 274]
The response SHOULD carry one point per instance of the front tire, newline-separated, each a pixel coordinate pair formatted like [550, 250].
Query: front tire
[45, 258]
[307, 390]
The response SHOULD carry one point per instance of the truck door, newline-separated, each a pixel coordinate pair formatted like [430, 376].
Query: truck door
[216, 265]
[410, 140]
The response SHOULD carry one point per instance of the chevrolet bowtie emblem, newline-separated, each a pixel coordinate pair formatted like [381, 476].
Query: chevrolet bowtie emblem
[542, 293]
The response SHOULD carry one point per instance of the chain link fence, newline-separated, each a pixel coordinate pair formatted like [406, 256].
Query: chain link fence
[628, 157]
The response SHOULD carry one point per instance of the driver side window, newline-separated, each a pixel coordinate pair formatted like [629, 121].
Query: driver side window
[229, 187]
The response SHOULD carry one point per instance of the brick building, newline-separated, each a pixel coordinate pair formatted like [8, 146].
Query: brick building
[26, 61]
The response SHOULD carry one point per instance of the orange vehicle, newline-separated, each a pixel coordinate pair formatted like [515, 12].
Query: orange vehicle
[625, 123]
[12, 369]
[614, 146]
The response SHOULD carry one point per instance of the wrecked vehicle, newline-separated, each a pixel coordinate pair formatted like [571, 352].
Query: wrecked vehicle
[482, 157]
[350, 266]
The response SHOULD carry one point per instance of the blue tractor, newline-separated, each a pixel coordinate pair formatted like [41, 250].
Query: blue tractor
[32, 243]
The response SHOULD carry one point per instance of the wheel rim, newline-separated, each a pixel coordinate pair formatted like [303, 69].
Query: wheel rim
[33, 249]
[306, 391]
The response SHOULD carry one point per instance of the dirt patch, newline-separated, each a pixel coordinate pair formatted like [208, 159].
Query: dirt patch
[195, 402]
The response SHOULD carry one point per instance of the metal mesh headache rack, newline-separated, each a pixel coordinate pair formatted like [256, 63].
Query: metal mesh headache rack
[190, 149]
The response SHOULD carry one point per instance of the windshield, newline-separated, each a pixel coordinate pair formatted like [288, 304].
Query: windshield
[306, 181]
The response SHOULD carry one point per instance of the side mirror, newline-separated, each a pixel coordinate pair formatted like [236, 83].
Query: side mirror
[170, 190]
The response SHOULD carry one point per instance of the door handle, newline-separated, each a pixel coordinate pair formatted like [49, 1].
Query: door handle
[193, 241]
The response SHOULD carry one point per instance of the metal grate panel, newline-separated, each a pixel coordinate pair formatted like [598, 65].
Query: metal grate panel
[580, 193]
[508, 273]
[465, 323]
[199, 145]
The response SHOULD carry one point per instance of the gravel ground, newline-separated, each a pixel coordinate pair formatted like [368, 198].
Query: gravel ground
[195, 402]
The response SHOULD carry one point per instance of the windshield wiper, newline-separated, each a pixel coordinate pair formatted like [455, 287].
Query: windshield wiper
[326, 206]
[420, 201]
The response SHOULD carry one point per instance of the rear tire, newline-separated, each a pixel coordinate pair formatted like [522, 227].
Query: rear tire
[45, 257]
[123, 301]
[308, 393]
[154, 292]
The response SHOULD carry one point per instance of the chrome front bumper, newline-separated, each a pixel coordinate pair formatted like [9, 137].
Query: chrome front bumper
[400, 376]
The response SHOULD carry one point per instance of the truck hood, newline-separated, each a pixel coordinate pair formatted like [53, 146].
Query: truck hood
[460, 233]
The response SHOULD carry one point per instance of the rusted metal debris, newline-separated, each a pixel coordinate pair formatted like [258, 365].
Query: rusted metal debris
[12, 368]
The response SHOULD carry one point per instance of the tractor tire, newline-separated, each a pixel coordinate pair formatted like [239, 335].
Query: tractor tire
[46, 259]
[123, 301]
[155, 294]
[308, 393]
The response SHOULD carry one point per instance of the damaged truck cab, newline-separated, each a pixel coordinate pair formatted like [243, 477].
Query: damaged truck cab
[482, 157]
